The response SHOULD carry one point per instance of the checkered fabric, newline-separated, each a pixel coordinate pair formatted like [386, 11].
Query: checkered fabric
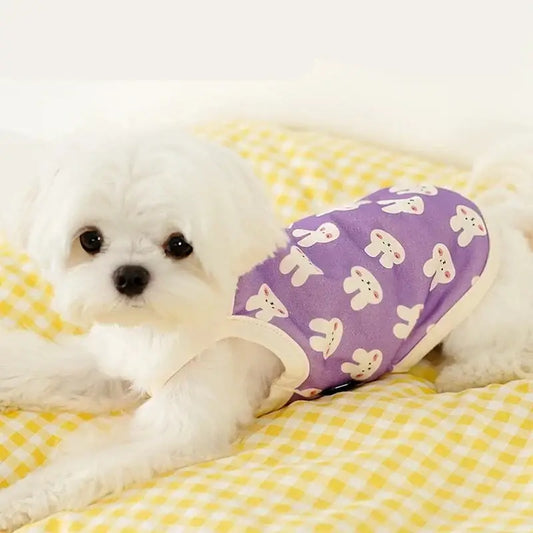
[25, 297]
[392, 456]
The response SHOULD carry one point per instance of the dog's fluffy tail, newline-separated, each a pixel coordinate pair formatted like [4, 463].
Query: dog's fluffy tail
[506, 171]
[503, 181]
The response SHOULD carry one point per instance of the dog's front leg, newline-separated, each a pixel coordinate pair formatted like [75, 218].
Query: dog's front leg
[193, 418]
[38, 374]
[73, 482]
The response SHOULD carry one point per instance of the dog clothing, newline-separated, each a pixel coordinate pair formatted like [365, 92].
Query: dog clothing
[366, 289]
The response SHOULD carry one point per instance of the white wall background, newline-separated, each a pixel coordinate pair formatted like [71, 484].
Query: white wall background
[441, 78]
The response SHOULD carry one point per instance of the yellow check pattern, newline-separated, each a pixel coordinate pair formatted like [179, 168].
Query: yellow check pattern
[393, 456]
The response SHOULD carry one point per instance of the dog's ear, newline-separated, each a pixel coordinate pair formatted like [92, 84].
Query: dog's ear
[25, 180]
[21, 161]
[238, 227]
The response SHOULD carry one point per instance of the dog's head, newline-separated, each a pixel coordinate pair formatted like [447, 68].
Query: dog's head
[146, 229]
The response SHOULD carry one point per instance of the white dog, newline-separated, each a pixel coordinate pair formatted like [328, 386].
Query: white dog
[144, 239]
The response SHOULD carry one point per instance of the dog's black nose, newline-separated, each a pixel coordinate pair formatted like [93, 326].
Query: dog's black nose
[131, 280]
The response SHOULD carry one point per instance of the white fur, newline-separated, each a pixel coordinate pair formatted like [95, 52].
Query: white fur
[165, 344]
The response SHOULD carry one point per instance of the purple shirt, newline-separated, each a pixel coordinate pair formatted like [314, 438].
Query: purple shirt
[366, 289]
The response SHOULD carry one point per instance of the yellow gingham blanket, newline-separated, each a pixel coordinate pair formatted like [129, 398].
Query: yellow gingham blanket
[392, 456]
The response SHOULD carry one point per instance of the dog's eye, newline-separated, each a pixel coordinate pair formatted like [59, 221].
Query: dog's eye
[177, 247]
[91, 241]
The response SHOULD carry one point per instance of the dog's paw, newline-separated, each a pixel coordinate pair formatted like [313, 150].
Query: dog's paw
[46, 491]
[458, 377]
[13, 516]
[21, 504]
[452, 378]
[6, 407]
[11, 523]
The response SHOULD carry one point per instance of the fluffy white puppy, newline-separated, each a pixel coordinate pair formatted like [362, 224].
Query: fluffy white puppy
[144, 238]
